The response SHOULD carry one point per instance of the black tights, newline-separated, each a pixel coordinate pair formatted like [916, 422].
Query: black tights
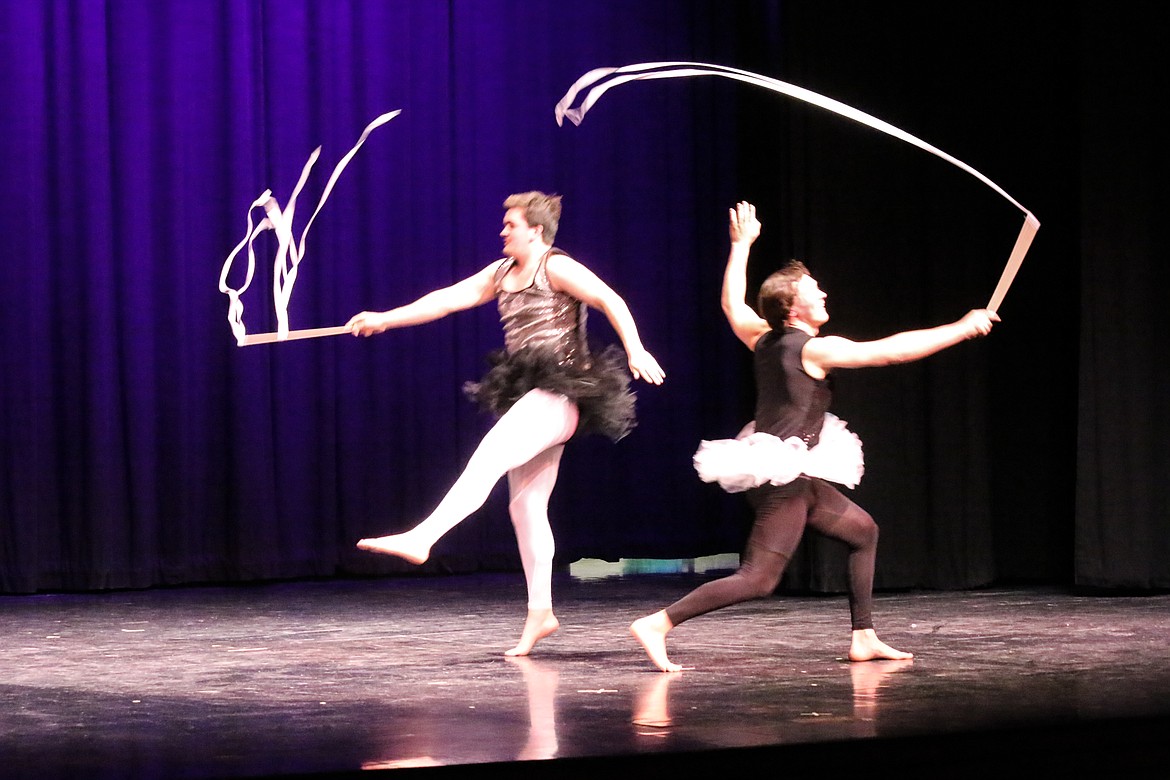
[782, 514]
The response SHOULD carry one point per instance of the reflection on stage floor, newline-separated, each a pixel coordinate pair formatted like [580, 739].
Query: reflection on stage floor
[407, 675]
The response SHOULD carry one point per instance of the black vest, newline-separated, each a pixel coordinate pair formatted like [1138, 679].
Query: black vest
[789, 402]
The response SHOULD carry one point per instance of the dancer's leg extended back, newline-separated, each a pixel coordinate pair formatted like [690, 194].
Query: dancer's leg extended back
[778, 527]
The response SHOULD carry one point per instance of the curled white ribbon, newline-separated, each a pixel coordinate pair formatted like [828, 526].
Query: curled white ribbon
[612, 77]
[288, 252]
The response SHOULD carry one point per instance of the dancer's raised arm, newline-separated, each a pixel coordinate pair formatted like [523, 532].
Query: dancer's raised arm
[744, 228]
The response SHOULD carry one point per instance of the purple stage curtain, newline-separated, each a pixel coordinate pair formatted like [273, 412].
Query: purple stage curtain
[141, 446]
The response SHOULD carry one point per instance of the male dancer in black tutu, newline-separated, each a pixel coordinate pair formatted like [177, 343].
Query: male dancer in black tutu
[805, 447]
[544, 386]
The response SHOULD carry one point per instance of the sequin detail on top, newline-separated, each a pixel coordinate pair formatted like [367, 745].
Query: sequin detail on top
[546, 348]
[542, 318]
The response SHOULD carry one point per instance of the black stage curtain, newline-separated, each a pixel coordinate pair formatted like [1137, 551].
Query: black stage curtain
[1123, 424]
[969, 453]
[140, 447]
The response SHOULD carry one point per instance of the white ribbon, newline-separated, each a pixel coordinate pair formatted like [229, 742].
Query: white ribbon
[666, 70]
[288, 253]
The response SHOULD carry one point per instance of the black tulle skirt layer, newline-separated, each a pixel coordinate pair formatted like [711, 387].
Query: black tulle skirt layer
[601, 391]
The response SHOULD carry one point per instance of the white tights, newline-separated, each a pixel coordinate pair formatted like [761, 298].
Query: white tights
[525, 443]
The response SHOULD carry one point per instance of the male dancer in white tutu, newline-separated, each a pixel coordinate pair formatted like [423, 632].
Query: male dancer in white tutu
[792, 364]
[545, 386]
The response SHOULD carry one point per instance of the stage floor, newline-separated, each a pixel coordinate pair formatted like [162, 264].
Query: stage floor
[339, 677]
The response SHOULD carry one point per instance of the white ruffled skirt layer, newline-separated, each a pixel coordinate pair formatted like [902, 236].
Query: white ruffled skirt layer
[752, 459]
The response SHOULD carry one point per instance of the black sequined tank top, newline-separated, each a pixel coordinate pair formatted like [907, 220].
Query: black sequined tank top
[539, 317]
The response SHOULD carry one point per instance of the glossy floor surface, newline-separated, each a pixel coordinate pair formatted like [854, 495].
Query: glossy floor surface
[407, 676]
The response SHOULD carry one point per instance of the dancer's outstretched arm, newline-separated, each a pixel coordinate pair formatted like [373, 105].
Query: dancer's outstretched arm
[471, 292]
[569, 276]
[831, 352]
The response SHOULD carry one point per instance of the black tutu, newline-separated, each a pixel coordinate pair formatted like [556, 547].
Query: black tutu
[601, 391]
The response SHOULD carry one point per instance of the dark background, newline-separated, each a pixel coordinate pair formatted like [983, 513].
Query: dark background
[140, 447]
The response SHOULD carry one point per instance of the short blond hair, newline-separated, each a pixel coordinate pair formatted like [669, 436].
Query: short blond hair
[539, 209]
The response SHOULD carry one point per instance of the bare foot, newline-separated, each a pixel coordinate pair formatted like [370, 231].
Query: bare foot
[651, 632]
[867, 647]
[539, 624]
[400, 545]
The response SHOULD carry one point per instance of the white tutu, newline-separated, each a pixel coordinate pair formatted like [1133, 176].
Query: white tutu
[752, 459]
